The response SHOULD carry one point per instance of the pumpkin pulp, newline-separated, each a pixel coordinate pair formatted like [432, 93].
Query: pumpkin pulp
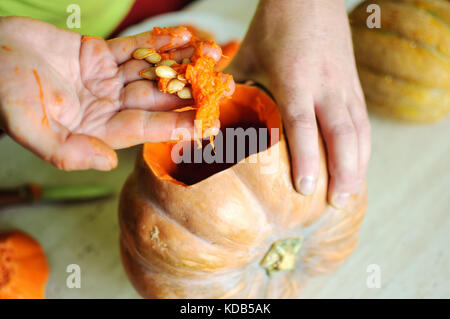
[208, 86]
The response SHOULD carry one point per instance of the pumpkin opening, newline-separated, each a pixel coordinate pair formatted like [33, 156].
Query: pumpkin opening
[249, 109]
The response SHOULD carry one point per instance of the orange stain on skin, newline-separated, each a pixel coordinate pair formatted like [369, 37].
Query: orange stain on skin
[173, 32]
[6, 48]
[184, 109]
[16, 69]
[96, 144]
[41, 96]
[87, 38]
[59, 99]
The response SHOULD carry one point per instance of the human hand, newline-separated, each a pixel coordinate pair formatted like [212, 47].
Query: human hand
[72, 100]
[302, 52]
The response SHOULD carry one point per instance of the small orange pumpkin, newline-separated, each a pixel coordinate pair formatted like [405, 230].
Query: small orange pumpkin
[231, 230]
[23, 267]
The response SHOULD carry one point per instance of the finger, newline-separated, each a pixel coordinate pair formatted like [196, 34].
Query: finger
[145, 95]
[80, 152]
[231, 85]
[358, 113]
[129, 71]
[302, 134]
[212, 50]
[122, 48]
[133, 127]
[342, 147]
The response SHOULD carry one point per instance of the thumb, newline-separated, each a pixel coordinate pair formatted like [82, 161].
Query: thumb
[80, 152]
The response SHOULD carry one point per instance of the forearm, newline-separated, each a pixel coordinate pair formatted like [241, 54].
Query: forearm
[289, 21]
[291, 13]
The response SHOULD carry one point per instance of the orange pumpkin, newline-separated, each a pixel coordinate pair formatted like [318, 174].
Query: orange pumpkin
[231, 230]
[23, 267]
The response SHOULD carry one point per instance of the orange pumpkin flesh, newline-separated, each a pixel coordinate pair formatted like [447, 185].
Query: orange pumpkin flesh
[208, 86]
[23, 267]
[236, 232]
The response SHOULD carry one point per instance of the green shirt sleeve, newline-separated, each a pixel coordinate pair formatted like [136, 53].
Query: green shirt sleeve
[97, 17]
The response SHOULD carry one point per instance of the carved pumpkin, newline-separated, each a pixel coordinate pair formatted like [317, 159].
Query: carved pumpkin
[231, 231]
[23, 267]
[404, 66]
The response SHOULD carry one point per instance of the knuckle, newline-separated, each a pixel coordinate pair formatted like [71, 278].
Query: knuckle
[345, 175]
[344, 130]
[300, 121]
[61, 162]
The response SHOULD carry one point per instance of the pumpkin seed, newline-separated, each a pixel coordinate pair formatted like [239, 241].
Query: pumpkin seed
[153, 58]
[148, 74]
[142, 53]
[175, 86]
[166, 72]
[185, 93]
[181, 78]
[168, 62]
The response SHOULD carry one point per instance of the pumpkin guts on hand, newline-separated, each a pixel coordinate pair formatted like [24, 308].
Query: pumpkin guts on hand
[72, 100]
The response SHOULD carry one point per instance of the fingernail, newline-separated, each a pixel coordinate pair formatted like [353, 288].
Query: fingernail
[340, 200]
[307, 185]
[101, 163]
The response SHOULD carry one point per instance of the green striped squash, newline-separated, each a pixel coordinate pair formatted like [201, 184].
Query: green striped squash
[404, 66]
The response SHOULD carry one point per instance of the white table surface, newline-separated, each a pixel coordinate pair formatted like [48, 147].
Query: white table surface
[406, 231]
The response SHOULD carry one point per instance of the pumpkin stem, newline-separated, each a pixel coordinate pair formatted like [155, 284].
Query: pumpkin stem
[282, 255]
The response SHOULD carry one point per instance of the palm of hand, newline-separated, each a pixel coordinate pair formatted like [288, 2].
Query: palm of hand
[79, 98]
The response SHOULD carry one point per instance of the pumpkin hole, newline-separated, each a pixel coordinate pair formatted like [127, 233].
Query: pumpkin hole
[247, 123]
